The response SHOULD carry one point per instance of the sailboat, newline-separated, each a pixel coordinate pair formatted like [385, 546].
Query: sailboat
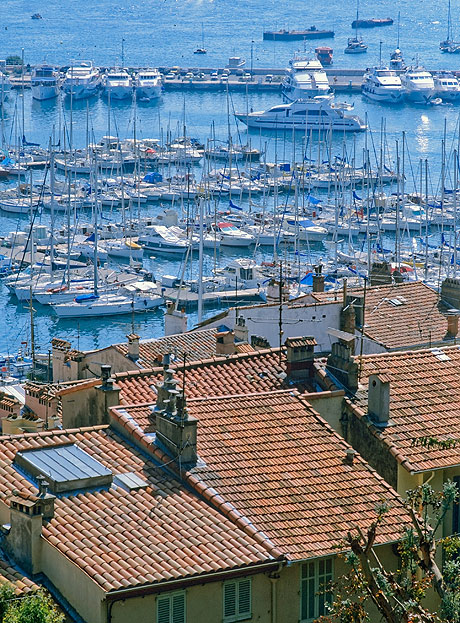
[449, 46]
[201, 50]
[396, 58]
[356, 44]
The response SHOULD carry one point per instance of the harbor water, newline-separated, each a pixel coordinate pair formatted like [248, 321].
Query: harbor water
[166, 33]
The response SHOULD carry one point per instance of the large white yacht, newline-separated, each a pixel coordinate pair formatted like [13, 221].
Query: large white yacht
[147, 84]
[82, 80]
[305, 77]
[116, 83]
[446, 86]
[317, 113]
[382, 85]
[418, 85]
[44, 82]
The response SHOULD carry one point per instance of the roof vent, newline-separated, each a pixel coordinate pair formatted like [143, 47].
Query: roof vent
[440, 354]
[130, 481]
[66, 468]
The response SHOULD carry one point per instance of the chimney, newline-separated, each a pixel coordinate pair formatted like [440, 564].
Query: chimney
[348, 319]
[452, 324]
[175, 320]
[225, 343]
[349, 456]
[107, 396]
[176, 431]
[259, 343]
[318, 279]
[300, 357]
[341, 365]
[380, 274]
[240, 330]
[378, 399]
[27, 515]
[133, 346]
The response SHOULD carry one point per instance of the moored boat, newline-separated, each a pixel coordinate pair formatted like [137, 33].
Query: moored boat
[292, 35]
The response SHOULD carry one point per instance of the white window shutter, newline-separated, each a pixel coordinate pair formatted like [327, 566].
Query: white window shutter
[178, 608]
[244, 597]
[229, 599]
[163, 609]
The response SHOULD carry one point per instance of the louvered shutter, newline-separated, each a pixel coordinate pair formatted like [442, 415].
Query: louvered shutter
[244, 597]
[163, 609]
[229, 599]
[178, 608]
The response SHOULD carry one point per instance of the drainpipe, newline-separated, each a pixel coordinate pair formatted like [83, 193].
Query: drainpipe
[274, 577]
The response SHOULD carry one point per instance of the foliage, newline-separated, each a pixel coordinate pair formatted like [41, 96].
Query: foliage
[399, 595]
[34, 608]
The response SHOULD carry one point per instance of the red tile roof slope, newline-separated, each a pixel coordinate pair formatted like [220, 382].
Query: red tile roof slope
[416, 321]
[196, 344]
[424, 402]
[245, 372]
[122, 538]
[282, 467]
[19, 582]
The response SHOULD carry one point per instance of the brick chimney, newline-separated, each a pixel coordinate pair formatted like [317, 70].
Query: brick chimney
[341, 365]
[225, 343]
[175, 320]
[452, 324]
[28, 513]
[348, 318]
[300, 357]
[176, 431]
[133, 346]
[318, 279]
[378, 399]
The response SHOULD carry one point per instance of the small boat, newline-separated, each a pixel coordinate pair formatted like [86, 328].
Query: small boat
[449, 46]
[234, 237]
[200, 51]
[355, 46]
[160, 239]
[235, 62]
[446, 86]
[324, 55]
[292, 35]
[396, 60]
[371, 23]
[36, 16]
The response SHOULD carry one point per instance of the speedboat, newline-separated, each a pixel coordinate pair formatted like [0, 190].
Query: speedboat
[116, 84]
[355, 46]
[147, 84]
[307, 230]
[418, 85]
[382, 85]
[44, 82]
[317, 113]
[231, 236]
[81, 80]
[305, 77]
[446, 86]
[160, 239]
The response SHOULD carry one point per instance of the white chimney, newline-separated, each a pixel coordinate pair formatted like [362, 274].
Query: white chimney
[175, 320]
[133, 346]
[378, 398]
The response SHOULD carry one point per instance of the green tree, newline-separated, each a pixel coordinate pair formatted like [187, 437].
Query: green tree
[34, 608]
[399, 595]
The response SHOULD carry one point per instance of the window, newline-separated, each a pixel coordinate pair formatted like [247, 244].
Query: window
[316, 576]
[237, 600]
[171, 608]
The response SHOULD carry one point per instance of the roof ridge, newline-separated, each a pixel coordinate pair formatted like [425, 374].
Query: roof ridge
[268, 392]
[55, 432]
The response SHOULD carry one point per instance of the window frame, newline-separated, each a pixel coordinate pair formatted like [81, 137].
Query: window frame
[318, 600]
[170, 597]
[238, 616]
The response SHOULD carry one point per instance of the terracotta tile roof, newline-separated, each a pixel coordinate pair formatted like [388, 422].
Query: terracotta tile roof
[10, 575]
[245, 372]
[196, 344]
[282, 467]
[400, 315]
[424, 402]
[126, 538]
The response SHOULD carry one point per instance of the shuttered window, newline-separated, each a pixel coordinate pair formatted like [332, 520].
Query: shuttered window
[315, 578]
[171, 608]
[237, 600]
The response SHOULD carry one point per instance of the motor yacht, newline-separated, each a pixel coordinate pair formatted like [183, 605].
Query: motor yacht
[382, 85]
[147, 84]
[44, 82]
[160, 239]
[116, 84]
[355, 46]
[446, 86]
[418, 85]
[232, 236]
[318, 113]
[396, 60]
[305, 77]
[81, 80]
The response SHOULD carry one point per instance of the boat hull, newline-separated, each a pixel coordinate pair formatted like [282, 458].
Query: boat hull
[297, 35]
[42, 93]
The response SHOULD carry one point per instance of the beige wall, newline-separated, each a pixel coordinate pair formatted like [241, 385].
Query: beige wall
[329, 406]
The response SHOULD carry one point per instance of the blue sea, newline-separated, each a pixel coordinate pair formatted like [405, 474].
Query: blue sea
[165, 33]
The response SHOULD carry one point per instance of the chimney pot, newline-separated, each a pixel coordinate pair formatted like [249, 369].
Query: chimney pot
[133, 346]
[378, 399]
[350, 454]
[452, 324]
[106, 370]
